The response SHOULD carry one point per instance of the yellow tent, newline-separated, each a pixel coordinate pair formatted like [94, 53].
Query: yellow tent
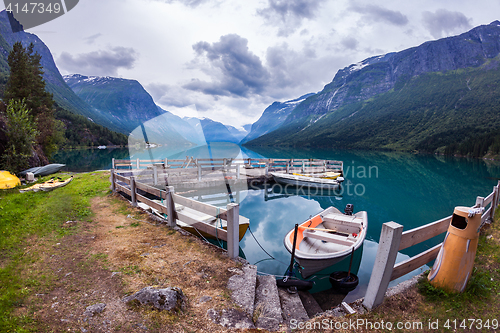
[8, 180]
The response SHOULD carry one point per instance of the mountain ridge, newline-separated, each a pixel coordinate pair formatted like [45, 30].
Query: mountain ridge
[350, 100]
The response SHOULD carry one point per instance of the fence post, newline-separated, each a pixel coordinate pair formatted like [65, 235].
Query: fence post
[493, 203]
[303, 166]
[165, 163]
[288, 166]
[113, 180]
[138, 164]
[233, 228]
[169, 202]
[199, 172]
[113, 163]
[390, 238]
[155, 175]
[133, 195]
[479, 202]
[238, 171]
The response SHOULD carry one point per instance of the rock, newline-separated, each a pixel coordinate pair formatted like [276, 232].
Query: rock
[230, 318]
[90, 311]
[171, 298]
[267, 314]
[243, 288]
[204, 299]
[292, 307]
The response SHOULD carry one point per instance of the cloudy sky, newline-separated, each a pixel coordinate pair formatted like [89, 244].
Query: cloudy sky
[229, 59]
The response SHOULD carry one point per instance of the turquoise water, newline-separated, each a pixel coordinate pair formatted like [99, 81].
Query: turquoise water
[409, 189]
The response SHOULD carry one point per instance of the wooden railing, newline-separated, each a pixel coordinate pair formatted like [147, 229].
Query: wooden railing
[169, 198]
[393, 239]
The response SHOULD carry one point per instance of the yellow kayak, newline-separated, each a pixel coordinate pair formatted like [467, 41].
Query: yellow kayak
[8, 180]
[49, 185]
[55, 184]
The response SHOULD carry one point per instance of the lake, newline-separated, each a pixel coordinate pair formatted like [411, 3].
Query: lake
[409, 189]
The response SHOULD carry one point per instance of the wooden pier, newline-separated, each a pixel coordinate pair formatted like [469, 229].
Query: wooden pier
[212, 173]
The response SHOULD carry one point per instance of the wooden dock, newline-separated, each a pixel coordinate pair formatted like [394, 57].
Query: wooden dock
[213, 173]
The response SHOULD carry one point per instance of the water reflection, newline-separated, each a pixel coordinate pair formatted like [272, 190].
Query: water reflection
[409, 189]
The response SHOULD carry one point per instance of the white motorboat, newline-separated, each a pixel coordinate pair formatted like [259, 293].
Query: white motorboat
[326, 239]
[307, 181]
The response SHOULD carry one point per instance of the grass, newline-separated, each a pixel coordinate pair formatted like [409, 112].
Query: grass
[28, 219]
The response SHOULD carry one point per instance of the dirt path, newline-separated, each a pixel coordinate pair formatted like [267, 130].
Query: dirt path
[118, 253]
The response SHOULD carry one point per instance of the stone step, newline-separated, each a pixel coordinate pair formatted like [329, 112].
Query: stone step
[242, 286]
[292, 307]
[310, 304]
[267, 313]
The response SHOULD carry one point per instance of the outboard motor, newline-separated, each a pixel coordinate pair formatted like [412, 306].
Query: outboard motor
[349, 208]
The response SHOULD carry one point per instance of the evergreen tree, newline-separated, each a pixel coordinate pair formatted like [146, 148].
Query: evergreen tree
[26, 84]
[21, 133]
[26, 79]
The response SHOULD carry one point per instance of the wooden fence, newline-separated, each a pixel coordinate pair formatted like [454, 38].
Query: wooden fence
[393, 239]
[167, 206]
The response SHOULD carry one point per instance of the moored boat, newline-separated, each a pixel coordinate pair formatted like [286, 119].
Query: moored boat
[244, 223]
[327, 238]
[306, 181]
[323, 175]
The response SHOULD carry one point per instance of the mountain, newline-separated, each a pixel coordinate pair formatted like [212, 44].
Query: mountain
[125, 106]
[213, 131]
[273, 117]
[189, 132]
[239, 134]
[429, 97]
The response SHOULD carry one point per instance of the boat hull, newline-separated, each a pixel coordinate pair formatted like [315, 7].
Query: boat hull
[314, 255]
[305, 181]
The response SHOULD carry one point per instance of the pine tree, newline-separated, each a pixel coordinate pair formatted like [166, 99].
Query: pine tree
[21, 132]
[26, 79]
[26, 84]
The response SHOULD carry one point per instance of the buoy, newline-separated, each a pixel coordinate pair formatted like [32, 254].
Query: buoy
[455, 260]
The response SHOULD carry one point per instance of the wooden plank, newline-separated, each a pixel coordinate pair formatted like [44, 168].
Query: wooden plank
[486, 215]
[488, 199]
[423, 233]
[161, 208]
[415, 262]
[122, 179]
[202, 226]
[123, 189]
[150, 189]
[200, 206]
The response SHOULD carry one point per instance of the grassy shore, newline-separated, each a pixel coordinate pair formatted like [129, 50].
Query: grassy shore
[64, 250]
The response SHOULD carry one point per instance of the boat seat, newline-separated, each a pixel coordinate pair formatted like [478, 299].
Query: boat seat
[328, 237]
[343, 223]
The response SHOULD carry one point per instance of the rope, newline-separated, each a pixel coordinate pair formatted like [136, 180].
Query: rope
[263, 248]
